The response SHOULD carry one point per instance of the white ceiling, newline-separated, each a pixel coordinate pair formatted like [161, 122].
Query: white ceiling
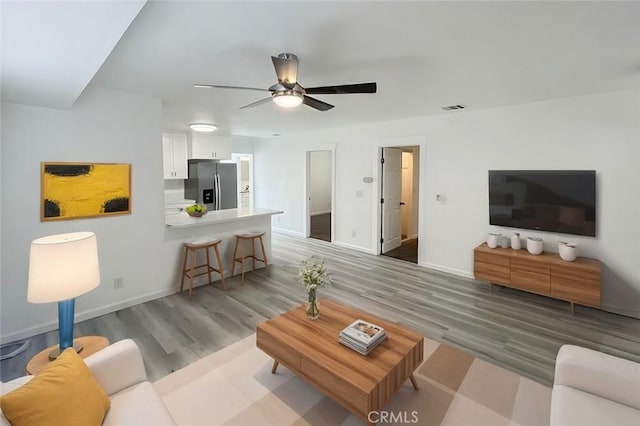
[51, 50]
[423, 55]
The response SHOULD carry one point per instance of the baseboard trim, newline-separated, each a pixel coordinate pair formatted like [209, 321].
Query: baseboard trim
[620, 311]
[354, 247]
[446, 269]
[84, 315]
[287, 232]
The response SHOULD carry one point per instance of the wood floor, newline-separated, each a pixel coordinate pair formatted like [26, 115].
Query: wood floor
[516, 330]
[408, 251]
[320, 227]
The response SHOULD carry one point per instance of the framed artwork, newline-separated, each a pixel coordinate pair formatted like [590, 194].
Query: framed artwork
[80, 190]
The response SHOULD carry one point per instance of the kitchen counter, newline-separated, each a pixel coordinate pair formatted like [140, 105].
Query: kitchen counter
[223, 225]
[183, 220]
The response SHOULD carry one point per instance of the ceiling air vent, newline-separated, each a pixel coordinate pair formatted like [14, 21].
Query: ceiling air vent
[452, 107]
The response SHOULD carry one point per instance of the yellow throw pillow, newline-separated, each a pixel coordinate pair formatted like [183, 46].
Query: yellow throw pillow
[64, 393]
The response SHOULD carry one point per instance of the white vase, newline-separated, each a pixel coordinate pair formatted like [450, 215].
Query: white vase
[567, 251]
[492, 240]
[534, 245]
[516, 243]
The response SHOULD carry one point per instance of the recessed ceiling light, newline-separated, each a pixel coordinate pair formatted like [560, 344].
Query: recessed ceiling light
[203, 127]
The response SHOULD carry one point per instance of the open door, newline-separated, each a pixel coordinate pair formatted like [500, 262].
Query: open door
[391, 199]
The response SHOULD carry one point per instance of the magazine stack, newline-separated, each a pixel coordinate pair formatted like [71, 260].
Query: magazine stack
[362, 336]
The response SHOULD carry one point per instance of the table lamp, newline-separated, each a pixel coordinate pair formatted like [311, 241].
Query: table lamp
[62, 267]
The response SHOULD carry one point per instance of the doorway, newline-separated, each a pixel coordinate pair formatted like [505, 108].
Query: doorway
[244, 169]
[319, 194]
[399, 184]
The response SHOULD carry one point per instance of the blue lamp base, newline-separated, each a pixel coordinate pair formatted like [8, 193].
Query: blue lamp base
[65, 332]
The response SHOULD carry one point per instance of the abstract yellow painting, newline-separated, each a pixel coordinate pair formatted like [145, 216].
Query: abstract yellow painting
[80, 190]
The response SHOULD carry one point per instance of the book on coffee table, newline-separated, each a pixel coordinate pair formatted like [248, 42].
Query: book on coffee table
[363, 332]
[363, 350]
[362, 336]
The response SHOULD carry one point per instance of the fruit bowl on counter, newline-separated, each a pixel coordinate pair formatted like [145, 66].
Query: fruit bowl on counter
[196, 210]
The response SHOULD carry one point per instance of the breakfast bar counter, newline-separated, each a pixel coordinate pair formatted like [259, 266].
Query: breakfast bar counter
[183, 220]
[223, 225]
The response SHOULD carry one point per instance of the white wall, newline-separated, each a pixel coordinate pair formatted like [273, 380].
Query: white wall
[103, 126]
[457, 149]
[320, 182]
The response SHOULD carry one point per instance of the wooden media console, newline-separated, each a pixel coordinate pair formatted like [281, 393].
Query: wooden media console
[546, 274]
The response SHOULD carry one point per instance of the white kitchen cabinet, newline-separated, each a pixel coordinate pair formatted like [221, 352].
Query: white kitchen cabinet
[210, 147]
[174, 155]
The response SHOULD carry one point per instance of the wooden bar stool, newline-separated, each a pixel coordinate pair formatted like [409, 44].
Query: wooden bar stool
[190, 250]
[241, 240]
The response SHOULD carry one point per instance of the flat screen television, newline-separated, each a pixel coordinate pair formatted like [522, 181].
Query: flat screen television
[562, 201]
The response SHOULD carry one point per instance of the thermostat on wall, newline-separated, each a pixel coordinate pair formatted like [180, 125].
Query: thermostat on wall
[367, 179]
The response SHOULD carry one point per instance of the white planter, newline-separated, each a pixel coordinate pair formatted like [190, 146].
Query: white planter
[493, 240]
[567, 251]
[534, 245]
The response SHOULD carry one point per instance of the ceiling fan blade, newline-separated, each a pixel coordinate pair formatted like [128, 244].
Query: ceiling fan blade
[286, 65]
[256, 103]
[216, 86]
[317, 104]
[343, 89]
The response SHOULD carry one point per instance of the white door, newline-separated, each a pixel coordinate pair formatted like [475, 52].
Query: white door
[391, 196]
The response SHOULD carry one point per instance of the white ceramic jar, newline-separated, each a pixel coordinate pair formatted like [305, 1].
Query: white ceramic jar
[534, 245]
[493, 240]
[516, 243]
[567, 251]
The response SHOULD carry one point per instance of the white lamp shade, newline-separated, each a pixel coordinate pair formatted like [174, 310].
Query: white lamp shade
[62, 267]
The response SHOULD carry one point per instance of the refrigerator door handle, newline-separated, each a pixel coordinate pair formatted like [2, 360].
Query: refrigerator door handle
[218, 193]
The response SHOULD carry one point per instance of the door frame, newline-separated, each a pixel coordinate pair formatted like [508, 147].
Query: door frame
[306, 208]
[377, 207]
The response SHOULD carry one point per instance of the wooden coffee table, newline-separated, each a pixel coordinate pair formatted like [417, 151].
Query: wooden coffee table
[311, 350]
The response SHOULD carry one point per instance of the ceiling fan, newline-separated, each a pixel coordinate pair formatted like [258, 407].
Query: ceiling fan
[288, 93]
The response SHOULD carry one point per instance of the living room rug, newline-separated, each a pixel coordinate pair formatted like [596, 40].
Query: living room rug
[234, 386]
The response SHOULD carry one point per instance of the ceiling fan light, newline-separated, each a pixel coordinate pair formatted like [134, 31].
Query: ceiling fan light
[287, 99]
[203, 127]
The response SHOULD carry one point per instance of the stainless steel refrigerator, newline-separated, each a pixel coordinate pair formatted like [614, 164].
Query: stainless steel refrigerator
[213, 184]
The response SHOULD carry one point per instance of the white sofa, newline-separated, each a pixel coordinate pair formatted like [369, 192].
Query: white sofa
[119, 369]
[594, 388]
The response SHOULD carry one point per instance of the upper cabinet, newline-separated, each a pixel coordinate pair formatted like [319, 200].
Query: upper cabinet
[210, 147]
[174, 154]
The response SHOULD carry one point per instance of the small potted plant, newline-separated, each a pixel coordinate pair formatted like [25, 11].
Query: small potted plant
[313, 274]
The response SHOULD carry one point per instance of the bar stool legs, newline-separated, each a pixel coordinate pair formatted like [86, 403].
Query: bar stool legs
[241, 240]
[190, 250]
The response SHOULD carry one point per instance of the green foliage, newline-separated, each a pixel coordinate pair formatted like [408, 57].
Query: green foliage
[196, 208]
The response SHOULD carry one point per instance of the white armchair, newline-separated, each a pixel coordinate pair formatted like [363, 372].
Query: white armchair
[594, 388]
[119, 370]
